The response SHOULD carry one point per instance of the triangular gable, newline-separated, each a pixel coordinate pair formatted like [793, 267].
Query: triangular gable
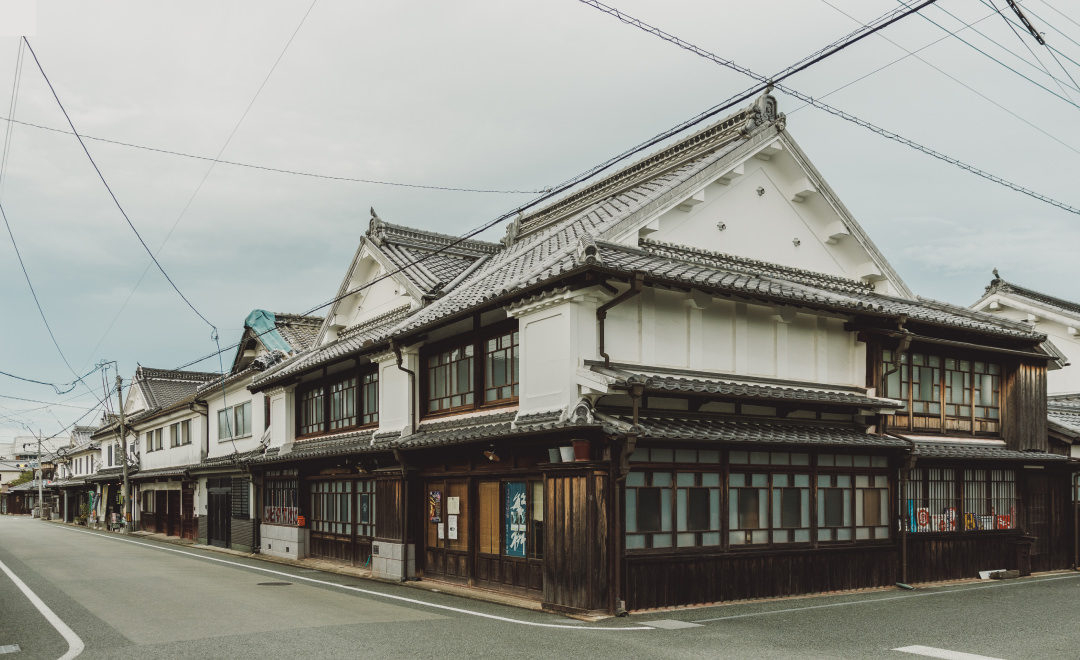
[765, 201]
[744, 188]
[391, 249]
[266, 332]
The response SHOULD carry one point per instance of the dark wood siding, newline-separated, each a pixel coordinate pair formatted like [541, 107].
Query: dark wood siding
[1024, 408]
[388, 510]
[576, 541]
[668, 580]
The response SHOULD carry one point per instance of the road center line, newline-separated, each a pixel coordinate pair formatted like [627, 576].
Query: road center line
[367, 592]
[75, 644]
[881, 600]
[931, 652]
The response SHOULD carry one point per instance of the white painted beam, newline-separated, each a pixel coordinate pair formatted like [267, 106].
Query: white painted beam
[770, 150]
[692, 201]
[869, 272]
[836, 231]
[731, 174]
[803, 189]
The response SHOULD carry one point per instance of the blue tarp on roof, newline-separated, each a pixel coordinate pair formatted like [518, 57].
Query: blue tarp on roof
[264, 325]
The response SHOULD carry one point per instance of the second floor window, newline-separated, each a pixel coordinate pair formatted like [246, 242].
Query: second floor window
[452, 379]
[234, 421]
[180, 433]
[338, 403]
[943, 394]
[153, 441]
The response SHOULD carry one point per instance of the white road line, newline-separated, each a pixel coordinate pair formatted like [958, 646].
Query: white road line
[75, 645]
[368, 592]
[931, 652]
[881, 600]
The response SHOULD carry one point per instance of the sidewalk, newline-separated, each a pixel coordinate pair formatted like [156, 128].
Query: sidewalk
[329, 566]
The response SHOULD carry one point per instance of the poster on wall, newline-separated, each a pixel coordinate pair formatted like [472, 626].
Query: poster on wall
[451, 527]
[514, 517]
[435, 506]
[453, 506]
[442, 531]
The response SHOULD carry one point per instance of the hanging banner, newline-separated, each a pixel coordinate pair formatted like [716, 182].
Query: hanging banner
[435, 506]
[514, 517]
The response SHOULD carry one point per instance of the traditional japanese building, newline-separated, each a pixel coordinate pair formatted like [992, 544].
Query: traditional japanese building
[694, 380]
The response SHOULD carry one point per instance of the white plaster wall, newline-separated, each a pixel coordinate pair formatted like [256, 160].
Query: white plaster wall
[282, 416]
[1058, 381]
[555, 339]
[395, 394]
[170, 456]
[664, 328]
[235, 394]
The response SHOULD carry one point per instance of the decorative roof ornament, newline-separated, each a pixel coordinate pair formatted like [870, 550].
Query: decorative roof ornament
[764, 111]
[582, 413]
[587, 252]
[512, 231]
[376, 228]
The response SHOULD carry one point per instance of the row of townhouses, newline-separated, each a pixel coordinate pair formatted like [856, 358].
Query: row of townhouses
[694, 380]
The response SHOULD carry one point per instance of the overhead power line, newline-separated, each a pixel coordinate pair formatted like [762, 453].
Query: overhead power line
[733, 101]
[278, 170]
[951, 77]
[108, 188]
[629, 20]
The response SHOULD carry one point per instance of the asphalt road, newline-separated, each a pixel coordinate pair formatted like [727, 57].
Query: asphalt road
[119, 597]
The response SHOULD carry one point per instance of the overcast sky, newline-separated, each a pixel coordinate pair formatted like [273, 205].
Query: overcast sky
[500, 95]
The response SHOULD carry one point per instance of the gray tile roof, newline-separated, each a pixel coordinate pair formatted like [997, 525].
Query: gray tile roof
[440, 257]
[298, 330]
[340, 444]
[1064, 419]
[174, 471]
[979, 451]
[732, 387]
[452, 431]
[113, 473]
[998, 285]
[820, 293]
[349, 343]
[764, 431]
[162, 388]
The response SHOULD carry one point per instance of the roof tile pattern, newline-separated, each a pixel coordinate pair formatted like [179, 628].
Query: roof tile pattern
[764, 431]
[742, 390]
[979, 451]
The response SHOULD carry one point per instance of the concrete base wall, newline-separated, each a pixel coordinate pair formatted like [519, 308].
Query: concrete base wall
[392, 561]
[287, 542]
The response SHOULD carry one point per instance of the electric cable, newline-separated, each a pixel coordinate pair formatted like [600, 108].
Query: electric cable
[108, 188]
[942, 72]
[991, 57]
[278, 170]
[1050, 49]
[629, 20]
[1028, 47]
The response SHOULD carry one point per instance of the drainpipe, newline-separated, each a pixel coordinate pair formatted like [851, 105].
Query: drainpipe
[619, 494]
[905, 342]
[400, 457]
[1076, 521]
[637, 281]
[413, 395]
[905, 473]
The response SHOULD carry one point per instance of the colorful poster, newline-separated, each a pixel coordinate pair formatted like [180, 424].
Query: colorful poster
[922, 519]
[435, 506]
[514, 517]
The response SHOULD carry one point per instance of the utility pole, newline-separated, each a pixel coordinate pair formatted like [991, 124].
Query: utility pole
[41, 480]
[123, 453]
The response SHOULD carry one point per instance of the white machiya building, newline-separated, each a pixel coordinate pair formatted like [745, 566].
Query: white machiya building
[238, 428]
[1059, 320]
[695, 379]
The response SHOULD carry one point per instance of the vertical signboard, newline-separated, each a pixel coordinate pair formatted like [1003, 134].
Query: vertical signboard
[514, 517]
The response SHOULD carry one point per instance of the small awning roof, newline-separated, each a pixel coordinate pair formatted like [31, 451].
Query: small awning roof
[715, 385]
